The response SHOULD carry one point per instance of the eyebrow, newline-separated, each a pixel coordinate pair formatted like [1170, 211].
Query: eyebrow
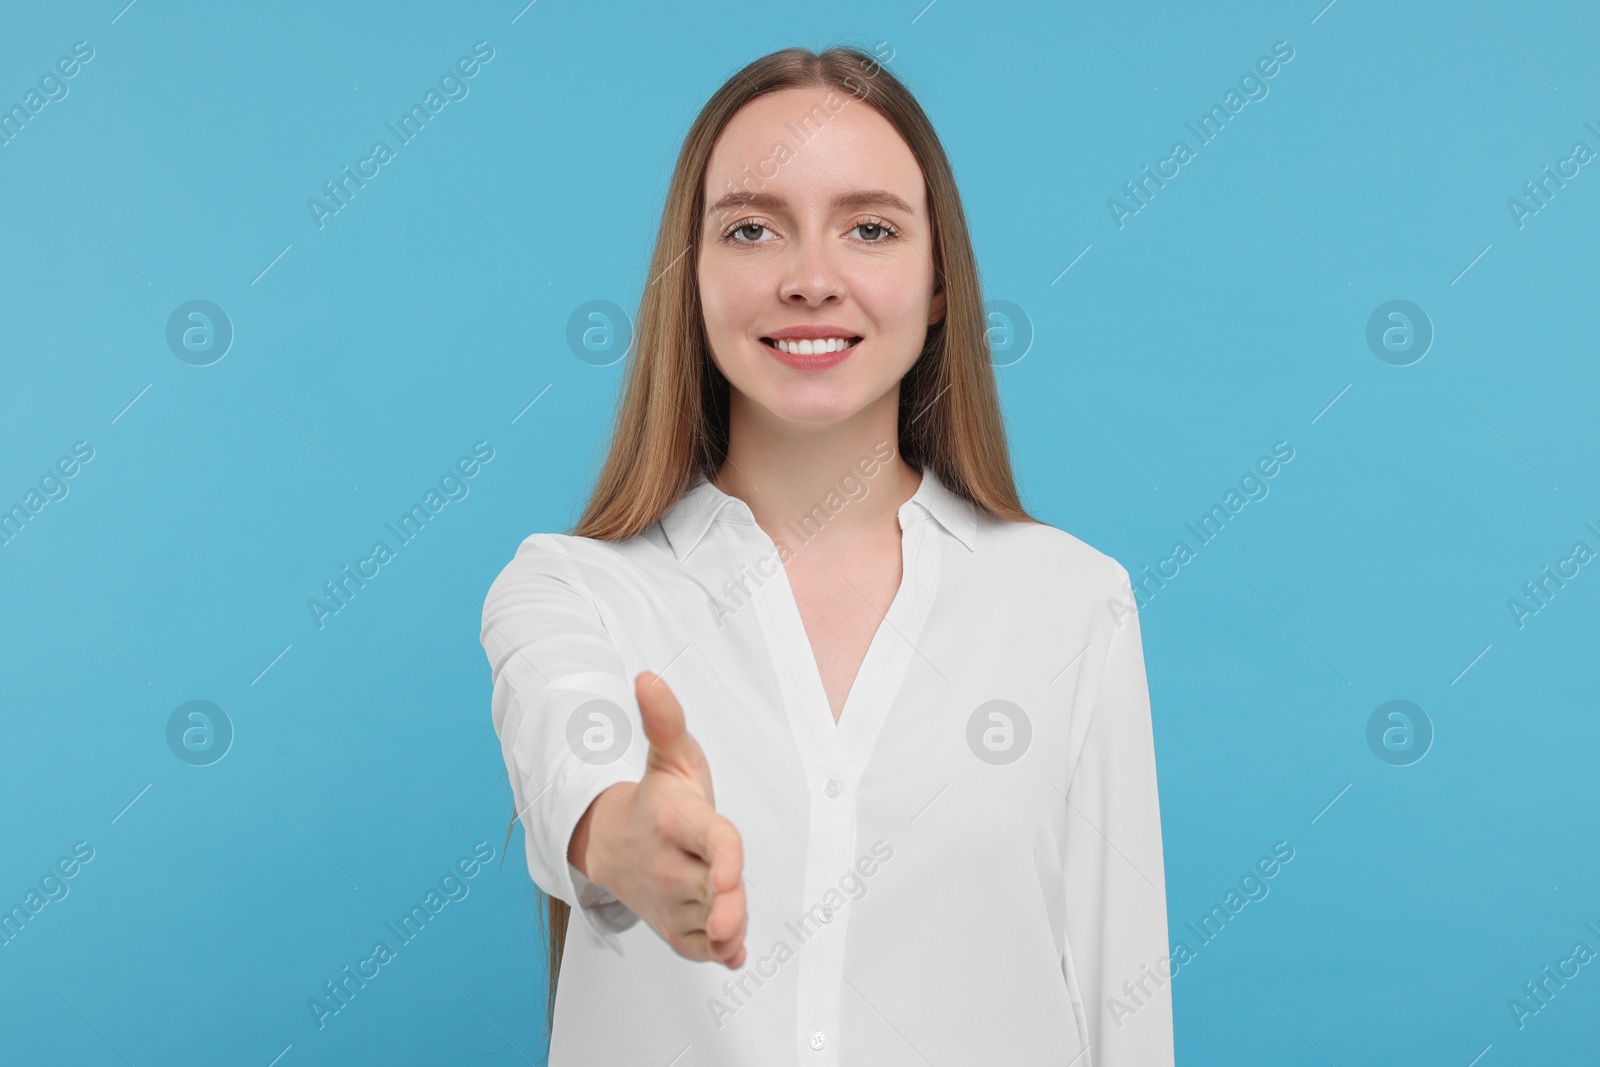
[866, 198]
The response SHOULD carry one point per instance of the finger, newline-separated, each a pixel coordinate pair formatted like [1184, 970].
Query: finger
[730, 952]
[692, 946]
[672, 748]
[727, 855]
[728, 921]
[662, 717]
[688, 917]
[687, 820]
[694, 908]
[683, 878]
[735, 961]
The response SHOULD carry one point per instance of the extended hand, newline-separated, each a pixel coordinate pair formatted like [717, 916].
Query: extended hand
[661, 848]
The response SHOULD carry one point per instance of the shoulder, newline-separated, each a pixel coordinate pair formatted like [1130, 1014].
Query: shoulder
[559, 551]
[1041, 549]
[587, 564]
[540, 552]
[544, 561]
[1053, 577]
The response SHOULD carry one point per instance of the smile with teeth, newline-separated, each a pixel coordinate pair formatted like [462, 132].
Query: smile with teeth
[811, 347]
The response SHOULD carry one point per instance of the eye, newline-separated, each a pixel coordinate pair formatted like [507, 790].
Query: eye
[883, 232]
[747, 232]
[744, 226]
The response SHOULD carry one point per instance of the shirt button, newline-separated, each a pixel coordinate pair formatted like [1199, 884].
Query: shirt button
[834, 787]
[817, 1040]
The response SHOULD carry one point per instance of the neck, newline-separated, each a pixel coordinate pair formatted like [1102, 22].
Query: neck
[802, 481]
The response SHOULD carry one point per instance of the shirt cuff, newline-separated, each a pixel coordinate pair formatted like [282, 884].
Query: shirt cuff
[605, 913]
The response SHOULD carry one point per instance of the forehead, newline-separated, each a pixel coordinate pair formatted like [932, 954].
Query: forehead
[810, 145]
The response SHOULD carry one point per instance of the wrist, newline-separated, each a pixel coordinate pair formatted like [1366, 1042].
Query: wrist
[581, 851]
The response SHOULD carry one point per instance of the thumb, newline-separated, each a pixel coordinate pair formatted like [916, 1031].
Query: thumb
[672, 747]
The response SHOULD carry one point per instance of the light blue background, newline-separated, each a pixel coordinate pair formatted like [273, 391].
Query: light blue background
[1227, 315]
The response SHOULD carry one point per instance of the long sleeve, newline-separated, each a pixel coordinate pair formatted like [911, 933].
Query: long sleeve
[562, 707]
[1116, 904]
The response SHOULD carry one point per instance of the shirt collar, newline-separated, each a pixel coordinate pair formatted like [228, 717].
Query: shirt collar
[686, 524]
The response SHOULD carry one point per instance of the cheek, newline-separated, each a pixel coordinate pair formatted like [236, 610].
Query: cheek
[729, 297]
[896, 301]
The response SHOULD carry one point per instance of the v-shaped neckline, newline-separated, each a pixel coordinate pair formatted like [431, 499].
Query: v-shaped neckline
[882, 668]
[877, 633]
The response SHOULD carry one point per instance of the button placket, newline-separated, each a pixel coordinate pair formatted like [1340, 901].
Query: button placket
[826, 747]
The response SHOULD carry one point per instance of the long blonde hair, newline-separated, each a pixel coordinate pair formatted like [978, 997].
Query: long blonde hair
[672, 422]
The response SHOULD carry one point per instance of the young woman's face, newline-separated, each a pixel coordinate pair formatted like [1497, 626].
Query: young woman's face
[832, 236]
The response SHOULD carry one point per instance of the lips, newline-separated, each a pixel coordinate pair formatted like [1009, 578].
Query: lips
[820, 359]
[817, 346]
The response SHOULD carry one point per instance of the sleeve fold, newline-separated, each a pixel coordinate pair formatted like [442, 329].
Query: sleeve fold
[566, 716]
[1115, 955]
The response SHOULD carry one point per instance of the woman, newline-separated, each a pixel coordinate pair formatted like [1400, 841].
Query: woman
[934, 834]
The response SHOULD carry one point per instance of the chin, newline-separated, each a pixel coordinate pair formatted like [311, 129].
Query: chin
[815, 407]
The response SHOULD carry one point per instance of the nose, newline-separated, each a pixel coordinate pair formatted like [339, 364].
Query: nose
[810, 274]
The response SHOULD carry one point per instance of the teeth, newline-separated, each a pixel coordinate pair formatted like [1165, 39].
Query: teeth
[814, 347]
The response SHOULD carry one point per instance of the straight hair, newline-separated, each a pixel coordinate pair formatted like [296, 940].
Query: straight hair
[672, 422]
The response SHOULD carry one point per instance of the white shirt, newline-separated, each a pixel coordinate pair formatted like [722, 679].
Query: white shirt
[966, 868]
